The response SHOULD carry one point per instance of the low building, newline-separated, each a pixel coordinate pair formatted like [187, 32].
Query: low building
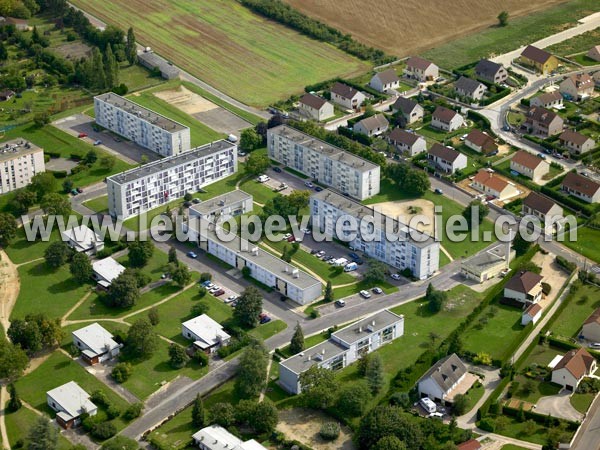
[95, 343]
[20, 161]
[6, 95]
[70, 402]
[471, 444]
[315, 107]
[20, 24]
[550, 214]
[572, 368]
[445, 379]
[215, 437]
[82, 239]
[152, 61]
[491, 71]
[577, 87]
[581, 187]
[347, 96]
[594, 53]
[343, 348]
[372, 126]
[529, 165]
[539, 59]
[481, 142]
[524, 287]
[575, 142]
[446, 119]
[470, 88]
[385, 81]
[223, 207]
[409, 143]
[421, 69]
[409, 110]
[490, 184]
[446, 159]
[487, 265]
[591, 327]
[543, 122]
[548, 100]
[206, 334]
[105, 271]
[532, 313]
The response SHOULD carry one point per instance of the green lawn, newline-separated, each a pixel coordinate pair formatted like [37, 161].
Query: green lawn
[474, 395]
[310, 341]
[582, 402]
[155, 267]
[512, 447]
[175, 434]
[583, 60]
[581, 305]
[576, 44]
[260, 192]
[355, 288]
[99, 205]
[266, 330]
[20, 250]
[18, 424]
[585, 235]
[541, 389]
[439, 135]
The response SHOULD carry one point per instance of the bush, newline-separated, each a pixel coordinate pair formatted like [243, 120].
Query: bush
[487, 425]
[104, 430]
[201, 358]
[546, 288]
[330, 431]
[205, 276]
[133, 411]
[121, 372]
[99, 398]
[563, 262]
[59, 173]
[314, 314]
[113, 412]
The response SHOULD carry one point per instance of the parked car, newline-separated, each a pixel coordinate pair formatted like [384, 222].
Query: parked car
[79, 190]
[541, 155]
[359, 261]
[595, 345]
[263, 179]
[395, 276]
[365, 294]
[192, 255]
[318, 189]
[187, 204]
[98, 142]
[206, 283]
[214, 288]
[231, 298]
[438, 191]
[82, 135]
[340, 303]
[74, 192]
[281, 187]
[309, 184]
[377, 290]
[117, 139]
[218, 292]
[353, 256]
[265, 319]
[241, 154]
[436, 415]
[277, 169]
[291, 239]
[196, 201]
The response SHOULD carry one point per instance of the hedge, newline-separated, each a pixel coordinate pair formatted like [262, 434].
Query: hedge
[52, 154]
[328, 83]
[59, 173]
[476, 117]
[540, 418]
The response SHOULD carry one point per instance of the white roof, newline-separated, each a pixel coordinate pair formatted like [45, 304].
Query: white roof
[96, 338]
[215, 437]
[209, 331]
[71, 399]
[108, 269]
[82, 237]
[552, 364]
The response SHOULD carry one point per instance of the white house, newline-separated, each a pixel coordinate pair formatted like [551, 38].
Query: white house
[20, 161]
[550, 215]
[548, 100]
[490, 184]
[346, 96]
[95, 343]
[529, 165]
[524, 287]
[83, 240]
[572, 368]
[470, 88]
[581, 187]
[70, 402]
[575, 142]
[409, 110]
[205, 333]
[491, 71]
[591, 327]
[532, 313]
[481, 142]
[106, 270]
[446, 119]
[372, 126]
[445, 379]
[215, 437]
[421, 69]
[577, 86]
[385, 81]
[224, 206]
[315, 107]
[446, 159]
[410, 143]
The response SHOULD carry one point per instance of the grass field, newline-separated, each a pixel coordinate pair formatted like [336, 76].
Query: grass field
[21, 250]
[577, 44]
[18, 424]
[585, 235]
[255, 60]
[99, 205]
[581, 402]
[581, 305]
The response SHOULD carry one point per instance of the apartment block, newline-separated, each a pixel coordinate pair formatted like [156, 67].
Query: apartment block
[141, 125]
[323, 162]
[20, 160]
[406, 249]
[157, 183]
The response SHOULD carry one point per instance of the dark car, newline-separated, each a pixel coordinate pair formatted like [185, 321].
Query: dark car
[318, 189]
[438, 191]
[353, 256]
[79, 190]
[218, 292]
[74, 192]
[277, 169]
[187, 204]
[359, 261]
[265, 319]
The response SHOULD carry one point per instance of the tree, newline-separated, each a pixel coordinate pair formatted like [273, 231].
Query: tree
[124, 291]
[374, 373]
[389, 443]
[153, 316]
[121, 372]
[178, 358]
[23, 199]
[319, 387]
[41, 118]
[13, 360]
[297, 342]
[375, 272]
[384, 420]
[257, 163]
[180, 274]
[56, 205]
[265, 417]
[460, 405]
[81, 268]
[111, 68]
[141, 339]
[250, 140]
[412, 180]
[435, 299]
[107, 162]
[520, 245]
[91, 157]
[57, 254]
[354, 399]
[362, 363]
[222, 414]
[67, 186]
[479, 209]
[14, 402]
[503, 18]
[401, 399]
[252, 371]
[8, 228]
[3, 52]
[130, 47]
[173, 256]
[120, 443]
[298, 199]
[140, 252]
[35, 332]
[249, 307]
[42, 183]
[198, 413]
[42, 435]
[330, 431]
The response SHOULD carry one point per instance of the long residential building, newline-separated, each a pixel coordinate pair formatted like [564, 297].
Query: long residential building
[157, 183]
[407, 249]
[20, 160]
[141, 125]
[323, 162]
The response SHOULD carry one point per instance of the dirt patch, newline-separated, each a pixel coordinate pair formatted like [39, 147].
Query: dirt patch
[74, 50]
[9, 289]
[303, 425]
[553, 275]
[407, 210]
[186, 100]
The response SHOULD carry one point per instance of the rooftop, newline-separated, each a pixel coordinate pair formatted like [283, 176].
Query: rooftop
[467, 84]
[367, 326]
[581, 184]
[526, 159]
[538, 202]
[542, 115]
[443, 152]
[312, 100]
[220, 201]
[418, 63]
[536, 54]
[406, 105]
[574, 136]
[72, 399]
[215, 437]
[17, 147]
[153, 60]
[446, 372]
[549, 97]
[387, 76]
[304, 360]
[444, 114]
[108, 268]
[343, 90]
[404, 137]
[578, 362]
[96, 338]
[84, 237]
[487, 68]
[487, 260]
[594, 317]
[374, 122]
[208, 330]
[524, 282]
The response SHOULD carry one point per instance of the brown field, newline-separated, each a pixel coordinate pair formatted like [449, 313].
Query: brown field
[411, 26]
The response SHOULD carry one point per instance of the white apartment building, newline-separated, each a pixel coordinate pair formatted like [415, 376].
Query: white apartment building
[224, 206]
[20, 160]
[402, 251]
[141, 125]
[323, 162]
[157, 183]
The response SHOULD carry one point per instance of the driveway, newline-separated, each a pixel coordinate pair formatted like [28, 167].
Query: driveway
[558, 406]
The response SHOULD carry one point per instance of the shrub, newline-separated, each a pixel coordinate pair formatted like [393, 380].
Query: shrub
[205, 276]
[104, 430]
[121, 372]
[563, 262]
[314, 314]
[487, 425]
[546, 288]
[133, 411]
[330, 431]
[201, 358]
[99, 398]
[113, 412]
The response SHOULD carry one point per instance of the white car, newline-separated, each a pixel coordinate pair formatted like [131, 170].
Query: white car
[377, 290]
[365, 294]
[395, 276]
[595, 345]
[231, 298]
[436, 415]
[214, 289]
[263, 179]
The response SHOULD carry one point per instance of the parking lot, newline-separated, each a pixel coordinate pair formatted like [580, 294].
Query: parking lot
[279, 177]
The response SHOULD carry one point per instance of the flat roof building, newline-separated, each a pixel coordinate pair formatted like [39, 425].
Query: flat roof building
[206, 334]
[20, 160]
[486, 265]
[223, 207]
[70, 402]
[152, 61]
[215, 437]
[95, 343]
[106, 270]
[82, 239]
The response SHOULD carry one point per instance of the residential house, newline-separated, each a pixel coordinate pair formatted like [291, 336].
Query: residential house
[215, 437]
[445, 379]
[467, 87]
[409, 110]
[471, 444]
[548, 100]
[446, 159]
[575, 142]
[550, 214]
[344, 347]
[6, 95]
[487, 265]
[421, 69]
[525, 287]
[596, 77]
[481, 142]
[404, 141]
[539, 59]
[206, 334]
[70, 402]
[105, 271]
[594, 53]
[529, 165]
[577, 86]
[315, 107]
[446, 119]
[572, 368]
[532, 313]
[20, 24]
[95, 343]
[223, 207]
[385, 81]
[543, 122]
[346, 96]
[581, 187]
[372, 126]
[591, 327]
[490, 184]
[491, 71]
[82, 239]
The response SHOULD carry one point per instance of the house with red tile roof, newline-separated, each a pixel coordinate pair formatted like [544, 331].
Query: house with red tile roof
[572, 368]
[489, 183]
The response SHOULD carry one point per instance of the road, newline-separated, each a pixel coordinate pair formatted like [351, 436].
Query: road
[588, 435]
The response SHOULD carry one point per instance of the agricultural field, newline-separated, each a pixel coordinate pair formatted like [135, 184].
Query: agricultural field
[254, 60]
[577, 44]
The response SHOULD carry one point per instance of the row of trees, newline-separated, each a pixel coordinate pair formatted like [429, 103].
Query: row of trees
[409, 179]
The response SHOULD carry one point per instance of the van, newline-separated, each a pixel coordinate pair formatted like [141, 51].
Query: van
[350, 267]
[427, 405]
[232, 138]
[263, 179]
[341, 262]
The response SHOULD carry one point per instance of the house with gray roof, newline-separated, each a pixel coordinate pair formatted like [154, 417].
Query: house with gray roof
[385, 81]
[407, 142]
[491, 71]
[576, 143]
[95, 343]
[548, 100]
[315, 107]
[409, 109]
[206, 334]
[473, 89]
[346, 96]
[223, 207]
[372, 126]
[152, 61]
[70, 402]
[446, 119]
[445, 379]
[215, 437]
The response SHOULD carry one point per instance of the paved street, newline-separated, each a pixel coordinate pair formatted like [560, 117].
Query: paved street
[588, 435]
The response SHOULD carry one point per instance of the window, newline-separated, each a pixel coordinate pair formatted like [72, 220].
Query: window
[387, 334]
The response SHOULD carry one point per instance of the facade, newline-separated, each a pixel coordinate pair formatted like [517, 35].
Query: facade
[83, 240]
[543, 122]
[577, 87]
[443, 378]
[468, 87]
[385, 81]
[594, 53]
[323, 162]
[421, 69]
[409, 109]
[409, 143]
[95, 343]
[591, 327]
[550, 214]
[372, 126]
[532, 313]
[581, 187]
[490, 184]
[487, 265]
[70, 402]
[343, 348]
[491, 71]
[215, 437]
[157, 183]
[315, 107]
[481, 142]
[548, 100]
[539, 59]
[141, 125]
[346, 96]
[529, 165]
[223, 207]
[446, 119]
[575, 142]
[152, 61]
[206, 334]
[572, 368]
[446, 159]
[20, 160]
[400, 247]
[524, 287]
[106, 270]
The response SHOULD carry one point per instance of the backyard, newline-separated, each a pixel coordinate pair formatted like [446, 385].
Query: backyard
[581, 305]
